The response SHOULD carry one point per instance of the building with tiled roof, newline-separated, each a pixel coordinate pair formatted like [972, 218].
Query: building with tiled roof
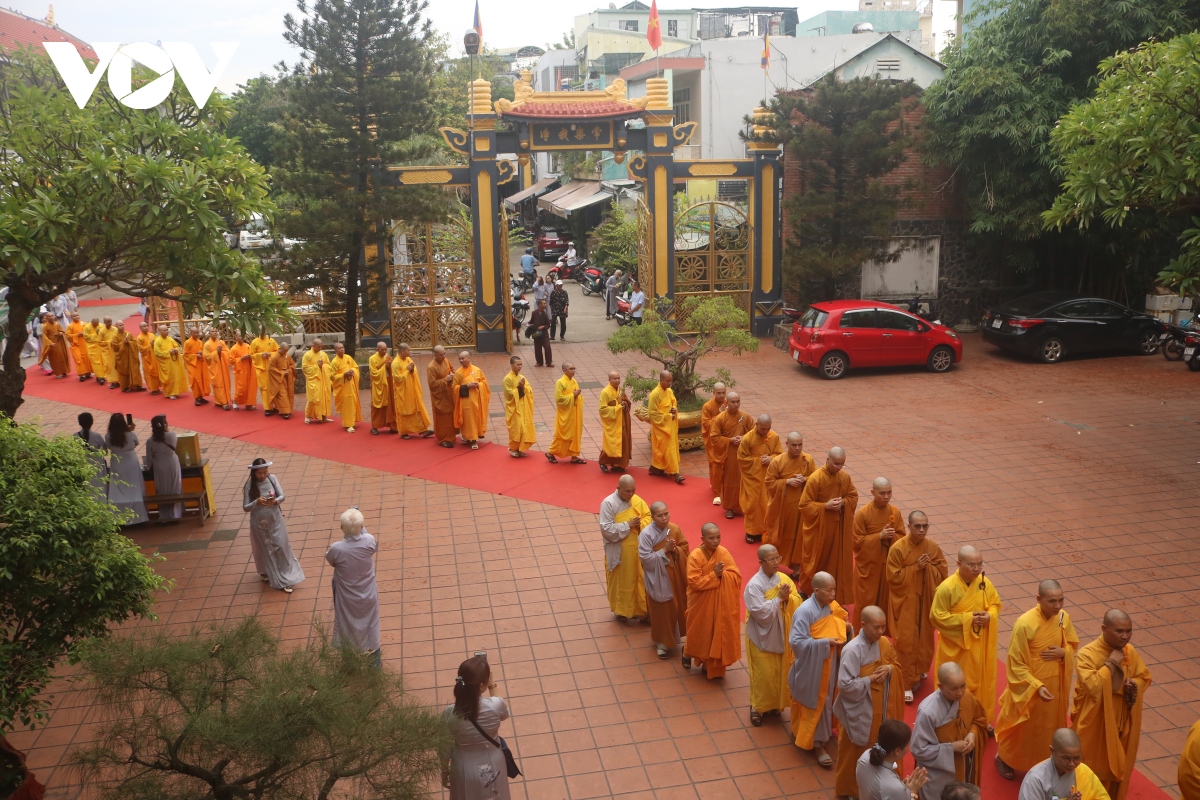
[18, 30]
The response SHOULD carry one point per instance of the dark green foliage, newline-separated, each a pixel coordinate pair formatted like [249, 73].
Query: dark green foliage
[67, 572]
[617, 242]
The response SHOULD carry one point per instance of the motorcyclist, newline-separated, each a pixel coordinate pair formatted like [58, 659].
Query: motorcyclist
[529, 264]
[570, 257]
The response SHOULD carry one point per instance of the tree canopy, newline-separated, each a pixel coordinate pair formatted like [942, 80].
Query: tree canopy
[1135, 145]
[227, 713]
[113, 196]
[67, 572]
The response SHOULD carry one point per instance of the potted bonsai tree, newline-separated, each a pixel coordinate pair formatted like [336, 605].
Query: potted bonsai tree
[716, 325]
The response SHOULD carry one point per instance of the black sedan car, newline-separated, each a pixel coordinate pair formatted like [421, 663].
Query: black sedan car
[1051, 325]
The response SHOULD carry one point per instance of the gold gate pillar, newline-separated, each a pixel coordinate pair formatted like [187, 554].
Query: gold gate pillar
[767, 219]
[659, 172]
[490, 259]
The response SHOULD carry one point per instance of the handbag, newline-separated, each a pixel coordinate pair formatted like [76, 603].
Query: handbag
[509, 761]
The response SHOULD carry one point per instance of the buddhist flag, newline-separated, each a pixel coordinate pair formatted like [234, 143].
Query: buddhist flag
[654, 29]
[478, 26]
[765, 61]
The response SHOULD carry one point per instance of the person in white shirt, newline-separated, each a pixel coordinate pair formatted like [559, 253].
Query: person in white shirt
[637, 304]
[571, 257]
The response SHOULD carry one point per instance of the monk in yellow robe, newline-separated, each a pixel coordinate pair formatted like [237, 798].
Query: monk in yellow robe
[471, 399]
[915, 569]
[318, 384]
[714, 597]
[382, 390]
[868, 692]
[759, 445]
[54, 346]
[827, 525]
[104, 337]
[261, 350]
[245, 379]
[197, 370]
[1107, 708]
[820, 627]
[950, 716]
[664, 554]
[1041, 665]
[145, 346]
[127, 360]
[281, 385]
[771, 599]
[216, 360]
[91, 338]
[518, 411]
[966, 612]
[616, 441]
[79, 348]
[623, 515]
[786, 475]
[568, 419]
[877, 525]
[440, 374]
[408, 403]
[172, 375]
[344, 380]
[1189, 764]
[709, 412]
[724, 437]
[663, 411]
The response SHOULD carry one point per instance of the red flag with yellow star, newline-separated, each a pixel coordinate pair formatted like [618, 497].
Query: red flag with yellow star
[654, 29]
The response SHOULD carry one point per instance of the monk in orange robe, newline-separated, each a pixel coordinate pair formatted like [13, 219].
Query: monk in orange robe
[876, 526]
[471, 398]
[440, 375]
[827, 525]
[197, 370]
[54, 346]
[915, 569]
[382, 405]
[216, 360]
[714, 599]
[819, 629]
[281, 382]
[145, 346]
[1041, 664]
[79, 351]
[786, 476]
[127, 360]
[1189, 764]
[724, 437]
[759, 445]
[709, 412]
[1107, 709]
[245, 377]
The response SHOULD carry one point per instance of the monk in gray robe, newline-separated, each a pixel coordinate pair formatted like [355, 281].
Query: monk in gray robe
[663, 551]
[261, 497]
[355, 596]
[949, 733]
[819, 627]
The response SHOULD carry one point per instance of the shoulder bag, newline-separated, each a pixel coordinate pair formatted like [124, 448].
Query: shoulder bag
[509, 761]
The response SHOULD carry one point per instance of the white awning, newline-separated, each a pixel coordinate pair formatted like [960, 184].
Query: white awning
[580, 203]
[538, 189]
[560, 201]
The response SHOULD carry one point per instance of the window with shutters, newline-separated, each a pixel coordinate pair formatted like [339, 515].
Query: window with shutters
[888, 64]
[627, 25]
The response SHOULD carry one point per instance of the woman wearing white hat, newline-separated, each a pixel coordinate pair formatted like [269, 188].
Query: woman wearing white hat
[273, 556]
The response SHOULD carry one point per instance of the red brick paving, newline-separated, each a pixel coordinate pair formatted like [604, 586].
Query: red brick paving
[1082, 471]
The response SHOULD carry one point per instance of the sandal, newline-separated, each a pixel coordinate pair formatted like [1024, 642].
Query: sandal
[374, 431]
[550, 457]
[908, 700]
[604, 468]
[578, 460]
[679, 479]
[287, 589]
[755, 718]
[426, 434]
[405, 436]
[1006, 772]
[663, 655]
[728, 514]
[474, 445]
[445, 444]
[825, 760]
[687, 662]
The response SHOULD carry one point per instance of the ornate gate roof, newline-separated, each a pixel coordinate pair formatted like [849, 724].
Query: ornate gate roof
[609, 104]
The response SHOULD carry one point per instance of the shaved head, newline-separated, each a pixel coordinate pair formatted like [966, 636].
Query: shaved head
[824, 588]
[1048, 585]
[874, 614]
[438, 350]
[657, 507]
[1065, 737]
[764, 419]
[1115, 616]
[795, 438]
[625, 487]
[718, 387]
[967, 552]
[823, 580]
[881, 484]
[767, 551]
[837, 454]
[952, 681]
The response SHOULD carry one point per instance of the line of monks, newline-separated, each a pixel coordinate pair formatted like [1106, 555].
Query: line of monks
[909, 611]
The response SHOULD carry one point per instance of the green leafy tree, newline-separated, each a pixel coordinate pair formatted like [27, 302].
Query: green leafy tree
[362, 92]
[717, 325]
[1019, 71]
[453, 77]
[847, 136]
[227, 713]
[617, 241]
[67, 573]
[113, 196]
[1135, 146]
[258, 108]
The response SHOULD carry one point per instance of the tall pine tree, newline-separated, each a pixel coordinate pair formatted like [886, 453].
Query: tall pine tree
[359, 102]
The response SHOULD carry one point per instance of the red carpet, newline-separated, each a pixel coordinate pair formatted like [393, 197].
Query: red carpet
[576, 486]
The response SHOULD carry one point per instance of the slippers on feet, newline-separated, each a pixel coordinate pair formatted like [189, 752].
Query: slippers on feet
[908, 697]
[728, 515]
[550, 457]
[474, 445]
[756, 718]
[679, 479]
[825, 760]
[578, 460]
[604, 467]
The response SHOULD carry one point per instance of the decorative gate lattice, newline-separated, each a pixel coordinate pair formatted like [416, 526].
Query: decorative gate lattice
[506, 288]
[712, 255]
[432, 291]
[645, 248]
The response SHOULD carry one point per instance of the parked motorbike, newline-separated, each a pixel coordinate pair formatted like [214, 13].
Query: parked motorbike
[1171, 337]
[520, 306]
[526, 280]
[622, 316]
[1191, 351]
[592, 281]
[914, 307]
[563, 271]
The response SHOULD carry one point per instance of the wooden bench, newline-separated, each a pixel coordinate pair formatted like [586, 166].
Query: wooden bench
[199, 498]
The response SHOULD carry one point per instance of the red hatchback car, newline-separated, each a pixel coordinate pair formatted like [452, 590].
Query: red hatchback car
[836, 335]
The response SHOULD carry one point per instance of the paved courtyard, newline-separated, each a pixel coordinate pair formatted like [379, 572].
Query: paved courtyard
[1084, 471]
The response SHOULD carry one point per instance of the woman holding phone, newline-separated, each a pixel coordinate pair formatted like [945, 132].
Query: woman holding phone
[273, 557]
[476, 768]
[126, 487]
